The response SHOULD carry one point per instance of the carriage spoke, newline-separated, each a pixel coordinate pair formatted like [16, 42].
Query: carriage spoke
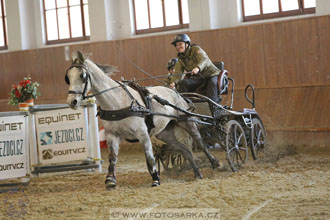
[259, 133]
[233, 148]
[240, 137]
[233, 157]
[232, 142]
[242, 148]
[240, 156]
[234, 134]
[237, 159]
[162, 161]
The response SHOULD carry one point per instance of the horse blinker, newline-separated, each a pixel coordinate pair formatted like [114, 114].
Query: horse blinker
[83, 76]
[66, 78]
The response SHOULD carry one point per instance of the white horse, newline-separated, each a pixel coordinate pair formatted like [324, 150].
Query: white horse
[84, 76]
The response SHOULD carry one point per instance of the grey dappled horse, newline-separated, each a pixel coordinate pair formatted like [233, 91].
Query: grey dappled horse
[85, 76]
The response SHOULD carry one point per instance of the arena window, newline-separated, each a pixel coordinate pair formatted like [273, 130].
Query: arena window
[3, 26]
[66, 21]
[160, 15]
[266, 9]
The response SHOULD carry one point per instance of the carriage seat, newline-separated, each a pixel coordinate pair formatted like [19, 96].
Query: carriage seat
[222, 78]
[223, 82]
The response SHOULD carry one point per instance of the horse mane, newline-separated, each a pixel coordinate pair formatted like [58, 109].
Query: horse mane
[79, 58]
[108, 69]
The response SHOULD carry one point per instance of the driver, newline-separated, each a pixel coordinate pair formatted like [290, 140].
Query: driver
[171, 69]
[192, 58]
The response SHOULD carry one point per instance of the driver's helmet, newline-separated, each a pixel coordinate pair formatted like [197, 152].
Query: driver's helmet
[181, 38]
[171, 63]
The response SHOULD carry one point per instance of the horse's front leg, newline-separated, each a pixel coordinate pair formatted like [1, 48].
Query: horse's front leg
[113, 145]
[151, 163]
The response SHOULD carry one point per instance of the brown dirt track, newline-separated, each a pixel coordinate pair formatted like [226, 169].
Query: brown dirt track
[288, 184]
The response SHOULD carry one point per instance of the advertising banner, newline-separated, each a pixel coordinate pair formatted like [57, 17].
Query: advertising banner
[13, 147]
[61, 135]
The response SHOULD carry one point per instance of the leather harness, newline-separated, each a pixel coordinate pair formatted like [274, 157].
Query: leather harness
[134, 110]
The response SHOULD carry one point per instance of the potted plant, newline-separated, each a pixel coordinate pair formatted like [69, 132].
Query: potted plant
[25, 92]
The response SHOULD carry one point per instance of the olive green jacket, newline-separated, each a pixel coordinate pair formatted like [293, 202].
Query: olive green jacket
[195, 56]
[169, 79]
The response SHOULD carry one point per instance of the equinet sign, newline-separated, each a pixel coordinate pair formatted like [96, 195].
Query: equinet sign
[11, 126]
[59, 118]
[13, 146]
[62, 135]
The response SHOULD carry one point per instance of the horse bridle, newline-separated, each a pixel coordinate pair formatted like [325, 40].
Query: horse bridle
[85, 76]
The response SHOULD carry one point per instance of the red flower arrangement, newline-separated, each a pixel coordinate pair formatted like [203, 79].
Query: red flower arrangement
[25, 90]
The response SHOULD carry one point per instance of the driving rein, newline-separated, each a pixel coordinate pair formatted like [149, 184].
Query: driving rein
[135, 108]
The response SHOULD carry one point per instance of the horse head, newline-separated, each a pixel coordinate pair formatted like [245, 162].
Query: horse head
[78, 78]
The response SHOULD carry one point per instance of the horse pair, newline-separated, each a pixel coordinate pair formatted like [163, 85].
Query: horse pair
[85, 76]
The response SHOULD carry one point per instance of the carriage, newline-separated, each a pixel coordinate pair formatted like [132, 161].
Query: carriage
[222, 128]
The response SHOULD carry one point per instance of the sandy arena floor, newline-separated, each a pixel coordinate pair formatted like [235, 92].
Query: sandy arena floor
[288, 184]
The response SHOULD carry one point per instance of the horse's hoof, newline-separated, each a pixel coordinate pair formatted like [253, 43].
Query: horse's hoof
[199, 176]
[216, 164]
[110, 188]
[110, 185]
[155, 183]
[221, 167]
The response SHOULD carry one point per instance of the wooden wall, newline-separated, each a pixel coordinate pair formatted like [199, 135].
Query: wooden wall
[288, 62]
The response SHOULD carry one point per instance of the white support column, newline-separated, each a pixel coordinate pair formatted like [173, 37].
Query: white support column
[32, 141]
[94, 140]
[199, 15]
[109, 19]
[322, 7]
[21, 25]
[120, 19]
[40, 37]
[97, 20]
[224, 13]
[28, 164]
[28, 26]
[13, 25]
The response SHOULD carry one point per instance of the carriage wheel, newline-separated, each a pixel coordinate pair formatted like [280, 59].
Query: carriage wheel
[258, 139]
[178, 160]
[160, 157]
[166, 161]
[236, 145]
[157, 157]
[175, 160]
[165, 158]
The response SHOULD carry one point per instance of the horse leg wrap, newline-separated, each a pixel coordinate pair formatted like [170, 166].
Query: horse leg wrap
[155, 179]
[110, 182]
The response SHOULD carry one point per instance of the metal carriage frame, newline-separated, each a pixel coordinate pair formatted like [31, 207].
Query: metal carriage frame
[234, 131]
